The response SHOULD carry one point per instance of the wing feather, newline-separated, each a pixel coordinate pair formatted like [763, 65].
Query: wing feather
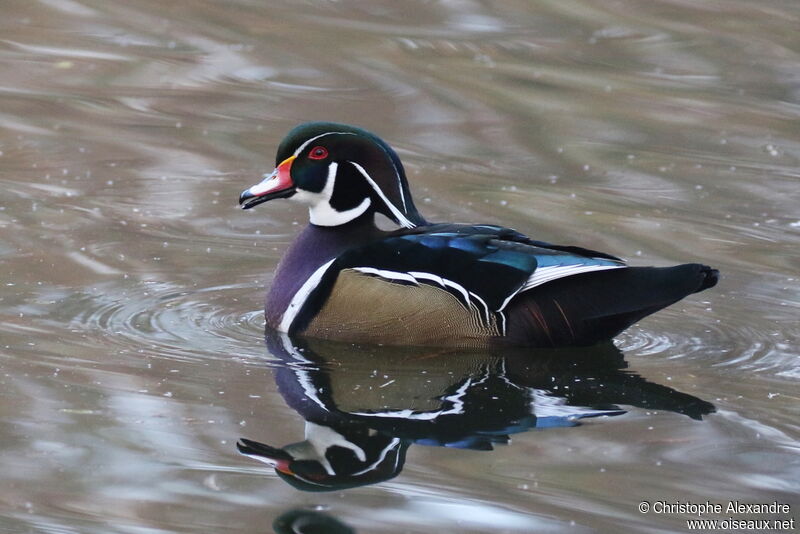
[484, 267]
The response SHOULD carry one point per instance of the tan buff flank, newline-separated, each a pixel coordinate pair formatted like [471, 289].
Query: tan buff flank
[367, 309]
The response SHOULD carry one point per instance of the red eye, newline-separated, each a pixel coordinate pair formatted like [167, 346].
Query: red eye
[318, 152]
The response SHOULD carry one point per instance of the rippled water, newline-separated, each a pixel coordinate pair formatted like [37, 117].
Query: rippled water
[131, 331]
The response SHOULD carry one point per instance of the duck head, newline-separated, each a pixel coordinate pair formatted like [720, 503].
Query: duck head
[341, 172]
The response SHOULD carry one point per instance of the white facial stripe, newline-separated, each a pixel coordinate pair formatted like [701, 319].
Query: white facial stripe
[400, 187]
[300, 297]
[400, 217]
[399, 182]
[305, 144]
[397, 214]
[320, 210]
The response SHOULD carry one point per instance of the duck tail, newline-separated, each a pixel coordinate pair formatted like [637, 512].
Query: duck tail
[587, 308]
[710, 277]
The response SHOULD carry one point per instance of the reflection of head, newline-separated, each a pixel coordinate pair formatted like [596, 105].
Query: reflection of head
[331, 459]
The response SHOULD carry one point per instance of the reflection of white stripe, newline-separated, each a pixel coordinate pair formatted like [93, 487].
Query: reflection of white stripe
[545, 403]
[269, 461]
[289, 347]
[302, 372]
[304, 145]
[456, 408]
[321, 438]
[300, 297]
[396, 212]
[392, 444]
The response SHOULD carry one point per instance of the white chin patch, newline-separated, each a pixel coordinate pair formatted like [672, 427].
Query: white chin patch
[320, 211]
[323, 213]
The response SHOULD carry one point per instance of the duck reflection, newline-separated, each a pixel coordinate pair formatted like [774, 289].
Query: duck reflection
[364, 406]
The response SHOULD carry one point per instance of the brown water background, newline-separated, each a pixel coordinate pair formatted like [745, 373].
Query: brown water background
[131, 348]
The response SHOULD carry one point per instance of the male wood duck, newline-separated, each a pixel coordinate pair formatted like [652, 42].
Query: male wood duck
[426, 284]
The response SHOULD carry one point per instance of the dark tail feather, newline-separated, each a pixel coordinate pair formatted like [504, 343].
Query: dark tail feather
[587, 308]
[710, 277]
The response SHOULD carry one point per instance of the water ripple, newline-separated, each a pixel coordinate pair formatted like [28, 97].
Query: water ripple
[171, 322]
[732, 348]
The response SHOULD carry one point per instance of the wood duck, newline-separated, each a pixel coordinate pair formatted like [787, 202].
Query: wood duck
[427, 284]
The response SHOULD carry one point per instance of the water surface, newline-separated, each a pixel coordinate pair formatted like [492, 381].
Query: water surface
[132, 355]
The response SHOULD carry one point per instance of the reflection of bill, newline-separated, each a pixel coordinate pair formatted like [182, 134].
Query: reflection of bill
[364, 406]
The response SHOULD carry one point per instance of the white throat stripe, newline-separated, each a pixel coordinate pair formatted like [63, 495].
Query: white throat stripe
[320, 210]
